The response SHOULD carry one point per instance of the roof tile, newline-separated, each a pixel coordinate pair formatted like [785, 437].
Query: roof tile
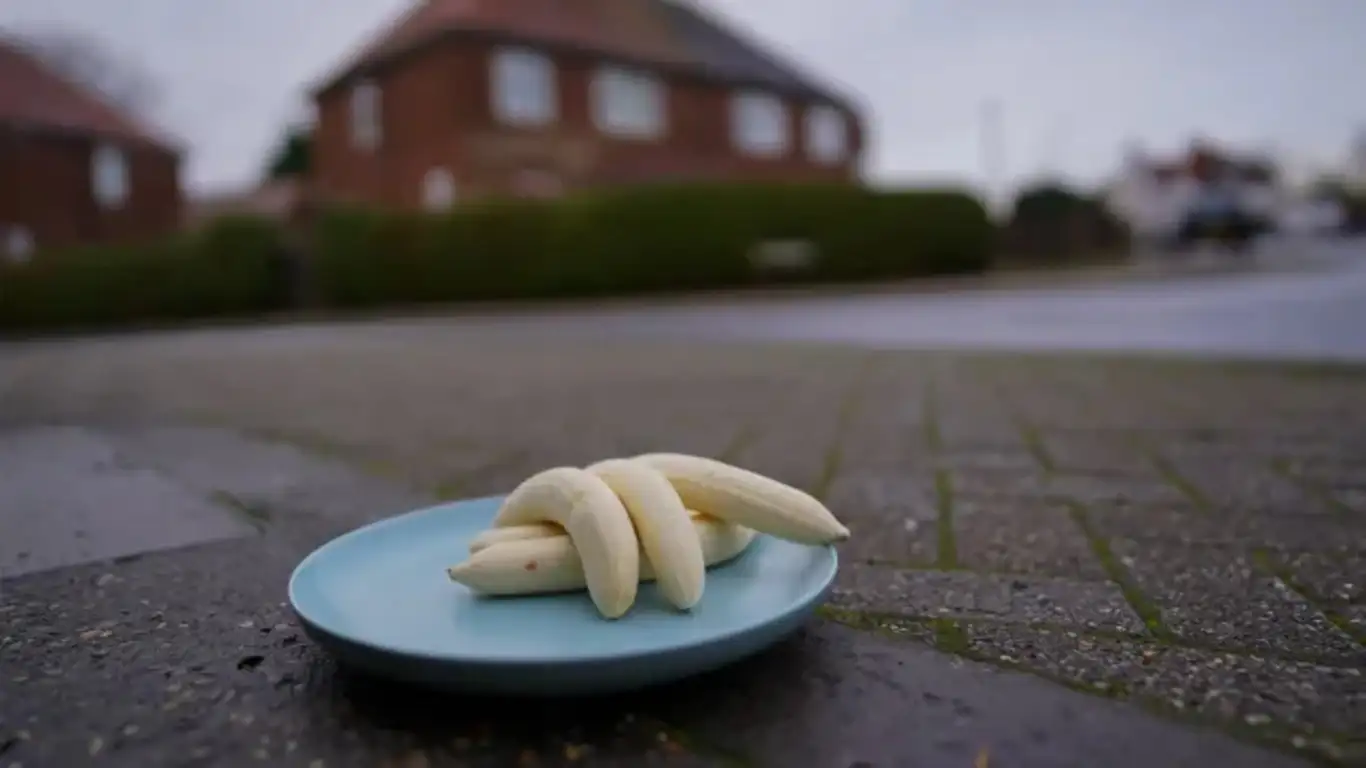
[33, 95]
[666, 32]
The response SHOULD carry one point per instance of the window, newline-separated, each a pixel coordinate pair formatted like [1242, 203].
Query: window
[18, 245]
[628, 104]
[523, 87]
[109, 177]
[438, 190]
[758, 123]
[826, 135]
[367, 126]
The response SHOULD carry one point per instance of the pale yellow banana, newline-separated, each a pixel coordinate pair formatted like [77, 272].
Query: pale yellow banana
[596, 522]
[662, 525]
[515, 533]
[544, 560]
[748, 499]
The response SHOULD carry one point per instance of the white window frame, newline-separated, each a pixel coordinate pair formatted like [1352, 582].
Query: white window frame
[438, 189]
[759, 124]
[109, 182]
[629, 103]
[522, 87]
[827, 135]
[367, 116]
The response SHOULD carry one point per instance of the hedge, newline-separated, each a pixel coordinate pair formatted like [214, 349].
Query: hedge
[651, 239]
[228, 269]
[662, 238]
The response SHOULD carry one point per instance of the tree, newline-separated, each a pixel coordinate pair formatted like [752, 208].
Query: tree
[87, 61]
[294, 155]
[1054, 222]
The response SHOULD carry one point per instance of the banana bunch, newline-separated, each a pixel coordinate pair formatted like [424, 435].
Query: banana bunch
[662, 517]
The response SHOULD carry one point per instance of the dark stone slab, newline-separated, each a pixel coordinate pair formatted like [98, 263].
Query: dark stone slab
[1322, 704]
[1032, 538]
[1218, 596]
[69, 495]
[842, 698]
[962, 594]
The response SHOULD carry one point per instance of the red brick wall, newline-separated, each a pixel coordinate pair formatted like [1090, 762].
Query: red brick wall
[437, 113]
[45, 187]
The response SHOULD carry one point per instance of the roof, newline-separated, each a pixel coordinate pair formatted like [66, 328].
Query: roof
[673, 34]
[1205, 161]
[33, 96]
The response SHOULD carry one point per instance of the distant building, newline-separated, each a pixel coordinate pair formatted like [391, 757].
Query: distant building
[74, 170]
[1154, 196]
[536, 97]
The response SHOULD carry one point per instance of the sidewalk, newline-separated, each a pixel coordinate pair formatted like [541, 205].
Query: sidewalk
[1055, 561]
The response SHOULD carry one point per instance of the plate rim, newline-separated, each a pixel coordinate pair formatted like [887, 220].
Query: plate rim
[801, 604]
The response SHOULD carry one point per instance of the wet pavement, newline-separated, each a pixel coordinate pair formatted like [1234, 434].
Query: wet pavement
[1311, 308]
[1057, 560]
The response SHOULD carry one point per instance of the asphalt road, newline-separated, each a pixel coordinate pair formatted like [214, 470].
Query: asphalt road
[1301, 301]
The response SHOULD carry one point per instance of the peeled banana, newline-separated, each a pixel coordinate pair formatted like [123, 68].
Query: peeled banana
[543, 560]
[597, 523]
[748, 498]
[664, 517]
[663, 526]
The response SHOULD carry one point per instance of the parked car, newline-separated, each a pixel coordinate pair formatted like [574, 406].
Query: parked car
[1220, 217]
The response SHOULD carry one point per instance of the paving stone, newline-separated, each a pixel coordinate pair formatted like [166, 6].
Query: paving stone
[1251, 485]
[1353, 497]
[1015, 460]
[1249, 530]
[892, 518]
[997, 432]
[68, 496]
[1086, 489]
[1215, 596]
[1355, 615]
[1034, 538]
[958, 594]
[1334, 578]
[1239, 690]
[1341, 473]
[1091, 453]
[794, 454]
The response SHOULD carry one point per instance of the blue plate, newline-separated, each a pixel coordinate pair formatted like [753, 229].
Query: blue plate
[378, 597]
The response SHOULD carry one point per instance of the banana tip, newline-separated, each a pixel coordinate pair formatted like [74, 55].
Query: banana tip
[453, 572]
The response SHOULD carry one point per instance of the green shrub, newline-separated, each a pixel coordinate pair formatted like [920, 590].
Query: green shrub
[636, 240]
[229, 268]
[619, 241]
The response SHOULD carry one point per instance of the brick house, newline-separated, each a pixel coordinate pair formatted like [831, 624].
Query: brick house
[463, 98]
[73, 169]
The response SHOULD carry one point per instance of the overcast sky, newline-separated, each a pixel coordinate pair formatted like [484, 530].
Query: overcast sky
[1076, 79]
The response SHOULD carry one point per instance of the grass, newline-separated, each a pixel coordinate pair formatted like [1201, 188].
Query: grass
[1190, 490]
[1147, 611]
[257, 515]
[947, 541]
[849, 408]
[1263, 559]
